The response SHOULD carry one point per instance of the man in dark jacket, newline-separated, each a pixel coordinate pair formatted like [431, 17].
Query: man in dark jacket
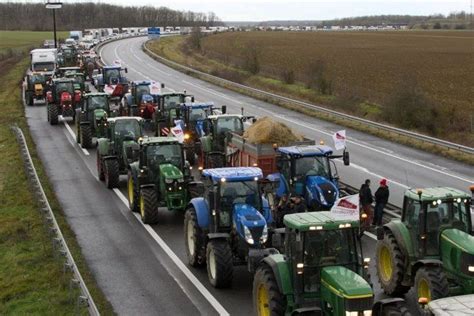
[365, 196]
[381, 199]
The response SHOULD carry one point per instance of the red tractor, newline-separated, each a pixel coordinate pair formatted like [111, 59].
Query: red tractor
[62, 99]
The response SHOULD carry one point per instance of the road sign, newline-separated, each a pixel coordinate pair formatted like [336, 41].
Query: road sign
[154, 32]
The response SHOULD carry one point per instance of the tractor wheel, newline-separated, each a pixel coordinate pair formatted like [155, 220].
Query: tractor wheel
[112, 173]
[399, 309]
[86, 136]
[194, 239]
[215, 161]
[267, 298]
[148, 206]
[100, 167]
[190, 156]
[220, 265]
[53, 114]
[132, 193]
[431, 283]
[390, 266]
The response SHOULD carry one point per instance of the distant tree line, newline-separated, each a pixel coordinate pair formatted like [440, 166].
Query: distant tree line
[34, 16]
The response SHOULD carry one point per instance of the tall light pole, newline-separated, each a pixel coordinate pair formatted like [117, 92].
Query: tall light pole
[54, 5]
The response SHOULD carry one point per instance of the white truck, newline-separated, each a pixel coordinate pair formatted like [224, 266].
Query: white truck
[44, 60]
[76, 35]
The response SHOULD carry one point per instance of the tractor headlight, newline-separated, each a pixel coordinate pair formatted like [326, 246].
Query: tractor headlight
[168, 181]
[470, 268]
[248, 236]
[187, 136]
[264, 237]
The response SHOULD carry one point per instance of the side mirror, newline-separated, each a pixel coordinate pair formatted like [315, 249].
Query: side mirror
[126, 70]
[224, 109]
[345, 158]
[162, 85]
[277, 241]
[192, 99]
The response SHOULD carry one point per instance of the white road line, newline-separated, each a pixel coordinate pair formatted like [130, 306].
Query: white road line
[370, 235]
[212, 92]
[122, 63]
[380, 151]
[353, 165]
[199, 286]
[69, 129]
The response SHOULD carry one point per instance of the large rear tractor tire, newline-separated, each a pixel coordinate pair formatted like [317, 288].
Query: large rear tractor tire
[220, 265]
[194, 239]
[267, 298]
[431, 283]
[133, 194]
[112, 173]
[390, 266]
[86, 136]
[148, 206]
[53, 114]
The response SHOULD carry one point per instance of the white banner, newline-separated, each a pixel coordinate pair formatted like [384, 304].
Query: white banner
[339, 139]
[347, 207]
[177, 131]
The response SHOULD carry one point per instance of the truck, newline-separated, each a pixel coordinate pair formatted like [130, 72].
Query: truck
[76, 35]
[299, 168]
[430, 248]
[44, 60]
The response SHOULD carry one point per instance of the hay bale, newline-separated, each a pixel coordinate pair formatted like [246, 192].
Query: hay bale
[268, 131]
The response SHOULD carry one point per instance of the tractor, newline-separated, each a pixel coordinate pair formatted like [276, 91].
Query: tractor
[61, 99]
[117, 150]
[309, 172]
[160, 177]
[430, 248]
[61, 72]
[321, 271]
[88, 63]
[35, 88]
[67, 56]
[92, 118]
[142, 100]
[227, 226]
[218, 130]
[79, 81]
[112, 81]
[167, 112]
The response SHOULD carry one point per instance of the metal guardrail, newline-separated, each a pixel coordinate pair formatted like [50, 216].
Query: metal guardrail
[383, 127]
[59, 243]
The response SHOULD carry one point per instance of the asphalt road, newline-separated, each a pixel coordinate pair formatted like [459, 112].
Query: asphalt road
[142, 268]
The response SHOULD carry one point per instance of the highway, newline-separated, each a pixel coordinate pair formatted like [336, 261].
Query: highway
[141, 268]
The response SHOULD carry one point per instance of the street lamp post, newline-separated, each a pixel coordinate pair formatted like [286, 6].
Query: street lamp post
[54, 5]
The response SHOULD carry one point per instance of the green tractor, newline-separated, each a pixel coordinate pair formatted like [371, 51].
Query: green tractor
[430, 248]
[321, 270]
[117, 150]
[168, 110]
[91, 118]
[160, 177]
[79, 81]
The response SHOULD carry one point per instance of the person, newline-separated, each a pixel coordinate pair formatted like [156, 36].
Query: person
[282, 208]
[298, 204]
[381, 199]
[366, 200]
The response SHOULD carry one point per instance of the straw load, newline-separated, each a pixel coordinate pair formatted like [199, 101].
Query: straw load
[268, 131]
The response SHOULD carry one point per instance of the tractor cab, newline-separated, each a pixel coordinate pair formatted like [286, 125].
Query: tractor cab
[62, 91]
[124, 130]
[79, 80]
[112, 75]
[112, 81]
[194, 114]
[96, 106]
[169, 110]
[142, 100]
[61, 72]
[92, 118]
[309, 172]
[322, 269]
[35, 87]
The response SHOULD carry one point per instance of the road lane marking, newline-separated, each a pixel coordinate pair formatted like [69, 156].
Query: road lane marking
[69, 129]
[376, 175]
[212, 92]
[184, 269]
[370, 235]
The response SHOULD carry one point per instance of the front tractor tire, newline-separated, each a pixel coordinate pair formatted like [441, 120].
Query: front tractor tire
[431, 283]
[112, 173]
[148, 206]
[194, 239]
[86, 136]
[267, 298]
[220, 265]
[390, 266]
[53, 114]
[133, 195]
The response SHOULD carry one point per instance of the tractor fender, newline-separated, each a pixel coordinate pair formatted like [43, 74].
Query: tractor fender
[402, 236]
[218, 236]
[133, 167]
[378, 307]
[103, 146]
[281, 272]
[425, 262]
[202, 211]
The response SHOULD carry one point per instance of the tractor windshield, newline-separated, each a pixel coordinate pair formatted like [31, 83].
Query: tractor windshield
[111, 74]
[37, 78]
[231, 193]
[164, 153]
[447, 214]
[229, 124]
[98, 102]
[142, 90]
[130, 128]
[327, 248]
[196, 114]
[312, 166]
[43, 66]
[66, 86]
[171, 101]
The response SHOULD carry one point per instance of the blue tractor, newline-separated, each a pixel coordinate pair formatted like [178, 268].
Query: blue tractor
[308, 172]
[112, 81]
[228, 225]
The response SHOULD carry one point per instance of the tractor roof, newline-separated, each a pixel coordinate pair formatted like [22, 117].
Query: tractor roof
[441, 193]
[216, 116]
[124, 118]
[112, 67]
[233, 174]
[306, 151]
[198, 105]
[142, 82]
[158, 140]
[317, 221]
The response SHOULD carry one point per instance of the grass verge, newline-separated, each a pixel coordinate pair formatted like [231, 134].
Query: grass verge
[171, 48]
[31, 277]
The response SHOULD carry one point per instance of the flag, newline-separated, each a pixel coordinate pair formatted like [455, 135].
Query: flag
[347, 207]
[339, 139]
[177, 131]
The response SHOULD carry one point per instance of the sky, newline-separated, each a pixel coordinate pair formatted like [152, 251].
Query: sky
[263, 10]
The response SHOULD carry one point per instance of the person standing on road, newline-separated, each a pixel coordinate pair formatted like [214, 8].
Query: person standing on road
[381, 199]
[366, 200]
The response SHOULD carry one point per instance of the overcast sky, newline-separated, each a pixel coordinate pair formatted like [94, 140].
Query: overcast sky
[261, 10]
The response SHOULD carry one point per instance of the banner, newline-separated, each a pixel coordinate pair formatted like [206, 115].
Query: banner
[347, 207]
[177, 131]
[339, 139]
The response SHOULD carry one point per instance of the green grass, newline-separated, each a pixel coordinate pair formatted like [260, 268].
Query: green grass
[31, 277]
[24, 40]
